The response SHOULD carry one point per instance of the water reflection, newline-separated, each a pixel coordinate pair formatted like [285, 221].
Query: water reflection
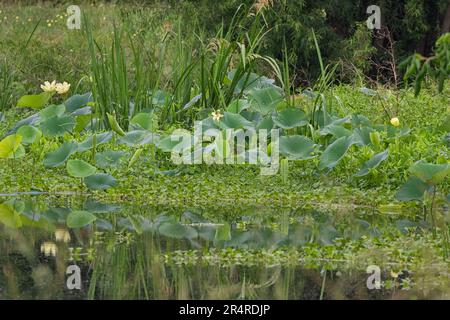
[141, 252]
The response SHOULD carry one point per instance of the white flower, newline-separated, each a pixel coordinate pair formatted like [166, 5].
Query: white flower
[62, 88]
[49, 87]
[49, 249]
[62, 235]
[216, 115]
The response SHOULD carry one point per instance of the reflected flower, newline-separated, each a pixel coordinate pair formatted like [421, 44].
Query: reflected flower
[49, 248]
[62, 235]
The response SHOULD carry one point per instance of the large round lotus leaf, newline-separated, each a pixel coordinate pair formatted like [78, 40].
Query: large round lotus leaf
[290, 118]
[236, 106]
[100, 181]
[430, 172]
[100, 139]
[143, 120]
[335, 152]
[234, 121]
[57, 126]
[79, 219]
[9, 145]
[372, 163]
[60, 155]
[34, 101]
[109, 158]
[296, 147]
[19, 153]
[78, 101]
[413, 189]
[29, 134]
[138, 137]
[80, 168]
[52, 111]
[265, 100]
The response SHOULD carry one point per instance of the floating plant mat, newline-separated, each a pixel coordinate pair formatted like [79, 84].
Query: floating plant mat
[136, 251]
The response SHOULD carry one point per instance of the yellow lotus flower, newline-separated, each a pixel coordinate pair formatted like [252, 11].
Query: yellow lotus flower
[49, 249]
[62, 235]
[49, 87]
[216, 115]
[395, 122]
[62, 88]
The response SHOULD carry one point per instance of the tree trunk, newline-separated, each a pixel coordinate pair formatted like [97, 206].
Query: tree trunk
[446, 23]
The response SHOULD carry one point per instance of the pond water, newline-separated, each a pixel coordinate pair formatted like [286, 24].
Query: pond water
[143, 252]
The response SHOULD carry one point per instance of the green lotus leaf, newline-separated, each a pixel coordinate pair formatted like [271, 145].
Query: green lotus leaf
[79, 219]
[80, 168]
[60, 156]
[29, 134]
[290, 118]
[296, 147]
[100, 181]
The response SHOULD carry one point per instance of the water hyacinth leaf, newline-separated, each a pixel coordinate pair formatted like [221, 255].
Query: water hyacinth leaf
[79, 219]
[9, 145]
[372, 163]
[80, 168]
[238, 105]
[60, 156]
[100, 181]
[234, 121]
[177, 230]
[430, 172]
[29, 134]
[57, 126]
[109, 159]
[101, 138]
[78, 101]
[138, 137]
[143, 120]
[265, 100]
[335, 152]
[114, 124]
[290, 118]
[296, 147]
[52, 111]
[34, 101]
[413, 189]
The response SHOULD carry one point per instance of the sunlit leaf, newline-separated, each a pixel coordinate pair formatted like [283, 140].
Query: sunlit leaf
[34, 101]
[80, 168]
[9, 145]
